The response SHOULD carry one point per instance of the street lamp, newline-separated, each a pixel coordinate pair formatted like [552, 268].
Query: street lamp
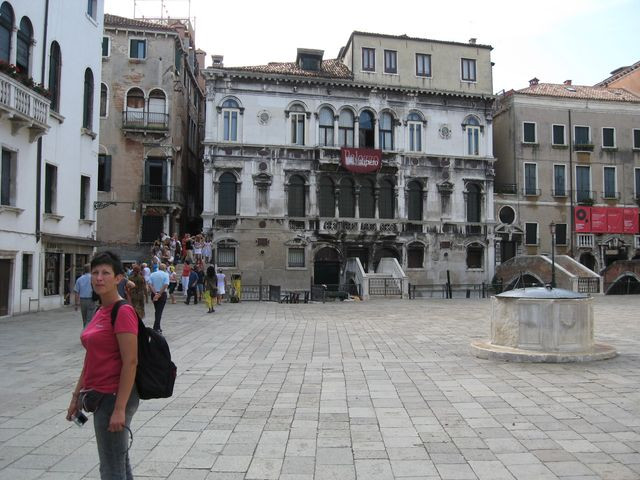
[552, 229]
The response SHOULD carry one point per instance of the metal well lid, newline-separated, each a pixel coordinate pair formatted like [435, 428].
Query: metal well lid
[541, 292]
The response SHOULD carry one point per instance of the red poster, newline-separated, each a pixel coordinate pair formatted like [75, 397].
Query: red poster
[361, 160]
[582, 219]
[599, 219]
[614, 220]
[630, 220]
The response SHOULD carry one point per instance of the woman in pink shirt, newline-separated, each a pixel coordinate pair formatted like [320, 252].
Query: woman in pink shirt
[106, 384]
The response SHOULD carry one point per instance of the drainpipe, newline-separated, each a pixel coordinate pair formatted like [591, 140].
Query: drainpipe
[573, 222]
[39, 151]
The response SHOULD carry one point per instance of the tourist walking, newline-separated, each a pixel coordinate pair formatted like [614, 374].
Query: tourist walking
[221, 282]
[186, 271]
[192, 288]
[173, 282]
[106, 384]
[211, 288]
[84, 296]
[207, 251]
[158, 284]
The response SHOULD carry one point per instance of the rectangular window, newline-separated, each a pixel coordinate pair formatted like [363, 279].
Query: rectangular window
[530, 233]
[468, 70]
[636, 138]
[230, 125]
[529, 132]
[558, 135]
[415, 136]
[390, 61]
[85, 192]
[50, 188]
[473, 140]
[530, 179]
[104, 173]
[609, 177]
[559, 181]
[226, 257]
[583, 183]
[51, 274]
[423, 65]
[138, 48]
[608, 137]
[582, 135]
[296, 258]
[8, 178]
[561, 233]
[637, 182]
[27, 265]
[368, 59]
[106, 47]
[297, 128]
[415, 257]
[92, 8]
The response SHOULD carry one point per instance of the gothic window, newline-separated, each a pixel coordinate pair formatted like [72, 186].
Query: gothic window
[386, 198]
[6, 27]
[87, 109]
[157, 108]
[415, 201]
[326, 127]
[326, 198]
[296, 197]
[227, 194]
[386, 131]
[298, 124]
[345, 128]
[471, 126]
[366, 199]
[367, 130]
[347, 201]
[23, 46]
[414, 124]
[230, 117]
[55, 66]
[104, 100]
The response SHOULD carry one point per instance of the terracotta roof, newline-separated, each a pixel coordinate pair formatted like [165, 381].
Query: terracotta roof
[618, 73]
[133, 23]
[329, 69]
[582, 92]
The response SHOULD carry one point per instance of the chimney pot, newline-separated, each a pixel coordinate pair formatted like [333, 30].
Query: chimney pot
[473, 40]
[567, 82]
[217, 60]
[533, 82]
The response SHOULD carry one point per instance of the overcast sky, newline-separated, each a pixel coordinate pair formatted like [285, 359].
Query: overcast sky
[553, 40]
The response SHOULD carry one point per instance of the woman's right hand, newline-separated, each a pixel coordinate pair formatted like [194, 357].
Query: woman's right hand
[73, 408]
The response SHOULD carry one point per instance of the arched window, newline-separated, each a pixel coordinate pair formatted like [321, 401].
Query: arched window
[23, 45]
[55, 66]
[386, 206]
[386, 131]
[6, 27]
[157, 109]
[326, 197]
[472, 127]
[326, 127]
[134, 113]
[475, 255]
[366, 130]
[87, 108]
[415, 201]
[415, 255]
[104, 100]
[298, 123]
[366, 199]
[414, 123]
[473, 203]
[347, 200]
[227, 194]
[230, 115]
[296, 198]
[345, 128]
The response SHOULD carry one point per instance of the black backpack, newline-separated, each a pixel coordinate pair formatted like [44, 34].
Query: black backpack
[156, 373]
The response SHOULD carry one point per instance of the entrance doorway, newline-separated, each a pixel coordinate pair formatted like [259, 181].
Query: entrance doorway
[5, 286]
[588, 260]
[326, 267]
[611, 255]
[507, 250]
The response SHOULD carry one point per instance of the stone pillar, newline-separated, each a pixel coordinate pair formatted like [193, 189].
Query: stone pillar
[356, 194]
[356, 131]
[313, 198]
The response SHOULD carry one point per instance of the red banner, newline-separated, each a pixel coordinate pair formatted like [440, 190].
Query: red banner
[606, 220]
[361, 160]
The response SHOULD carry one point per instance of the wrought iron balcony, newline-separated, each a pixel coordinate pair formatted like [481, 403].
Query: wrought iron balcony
[160, 194]
[25, 108]
[505, 188]
[145, 121]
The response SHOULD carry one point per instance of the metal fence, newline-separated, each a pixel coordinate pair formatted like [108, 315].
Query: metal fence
[451, 290]
[588, 285]
[385, 287]
[322, 293]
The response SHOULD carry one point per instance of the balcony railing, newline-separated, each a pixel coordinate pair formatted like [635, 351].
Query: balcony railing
[585, 196]
[585, 240]
[24, 106]
[531, 192]
[611, 195]
[505, 188]
[160, 194]
[560, 192]
[356, 226]
[133, 120]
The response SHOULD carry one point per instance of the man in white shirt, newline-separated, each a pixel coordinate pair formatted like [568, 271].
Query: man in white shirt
[146, 273]
[158, 284]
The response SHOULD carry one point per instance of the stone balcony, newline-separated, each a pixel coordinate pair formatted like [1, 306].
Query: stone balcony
[23, 107]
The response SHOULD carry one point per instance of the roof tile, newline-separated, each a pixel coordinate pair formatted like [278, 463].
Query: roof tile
[582, 92]
[329, 69]
[116, 21]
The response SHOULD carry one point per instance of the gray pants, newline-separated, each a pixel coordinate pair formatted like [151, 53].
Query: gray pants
[113, 447]
[87, 309]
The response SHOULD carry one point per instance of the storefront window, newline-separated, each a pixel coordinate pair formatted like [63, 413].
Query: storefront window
[52, 274]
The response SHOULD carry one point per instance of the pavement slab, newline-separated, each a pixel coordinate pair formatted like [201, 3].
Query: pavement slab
[384, 389]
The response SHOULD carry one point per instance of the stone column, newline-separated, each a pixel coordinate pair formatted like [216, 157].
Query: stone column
[313, 198]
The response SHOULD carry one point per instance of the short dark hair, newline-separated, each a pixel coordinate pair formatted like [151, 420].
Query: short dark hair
[108, 258]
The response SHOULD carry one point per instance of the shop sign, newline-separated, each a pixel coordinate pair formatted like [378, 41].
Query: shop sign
[361, 160]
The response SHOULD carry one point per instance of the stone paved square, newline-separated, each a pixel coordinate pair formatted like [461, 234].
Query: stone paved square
[344, 390]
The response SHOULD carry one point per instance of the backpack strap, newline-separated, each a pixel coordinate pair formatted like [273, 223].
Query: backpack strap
[114, 311]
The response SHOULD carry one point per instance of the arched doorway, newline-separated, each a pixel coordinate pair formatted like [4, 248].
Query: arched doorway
[326, 267]
[385, 252]
[625, 285]
[588, 260]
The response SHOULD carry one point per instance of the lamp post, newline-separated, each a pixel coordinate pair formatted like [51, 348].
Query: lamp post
[552, 229]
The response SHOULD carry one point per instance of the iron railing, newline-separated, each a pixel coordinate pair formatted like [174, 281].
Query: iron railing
[145, 120]
[324, 292]
[460, 290]
[160, 194]
[588, 285]
[385, 287]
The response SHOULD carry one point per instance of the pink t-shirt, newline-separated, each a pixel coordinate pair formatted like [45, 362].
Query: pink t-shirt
[102, 362]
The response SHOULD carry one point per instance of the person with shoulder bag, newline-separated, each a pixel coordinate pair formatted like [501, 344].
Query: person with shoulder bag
[106, 385]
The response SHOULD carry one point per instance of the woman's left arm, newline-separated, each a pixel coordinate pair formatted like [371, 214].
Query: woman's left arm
[128, 343]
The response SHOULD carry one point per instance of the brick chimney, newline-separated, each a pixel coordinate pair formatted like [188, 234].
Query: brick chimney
[567, 82]
[217, 61]
[534, 81]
